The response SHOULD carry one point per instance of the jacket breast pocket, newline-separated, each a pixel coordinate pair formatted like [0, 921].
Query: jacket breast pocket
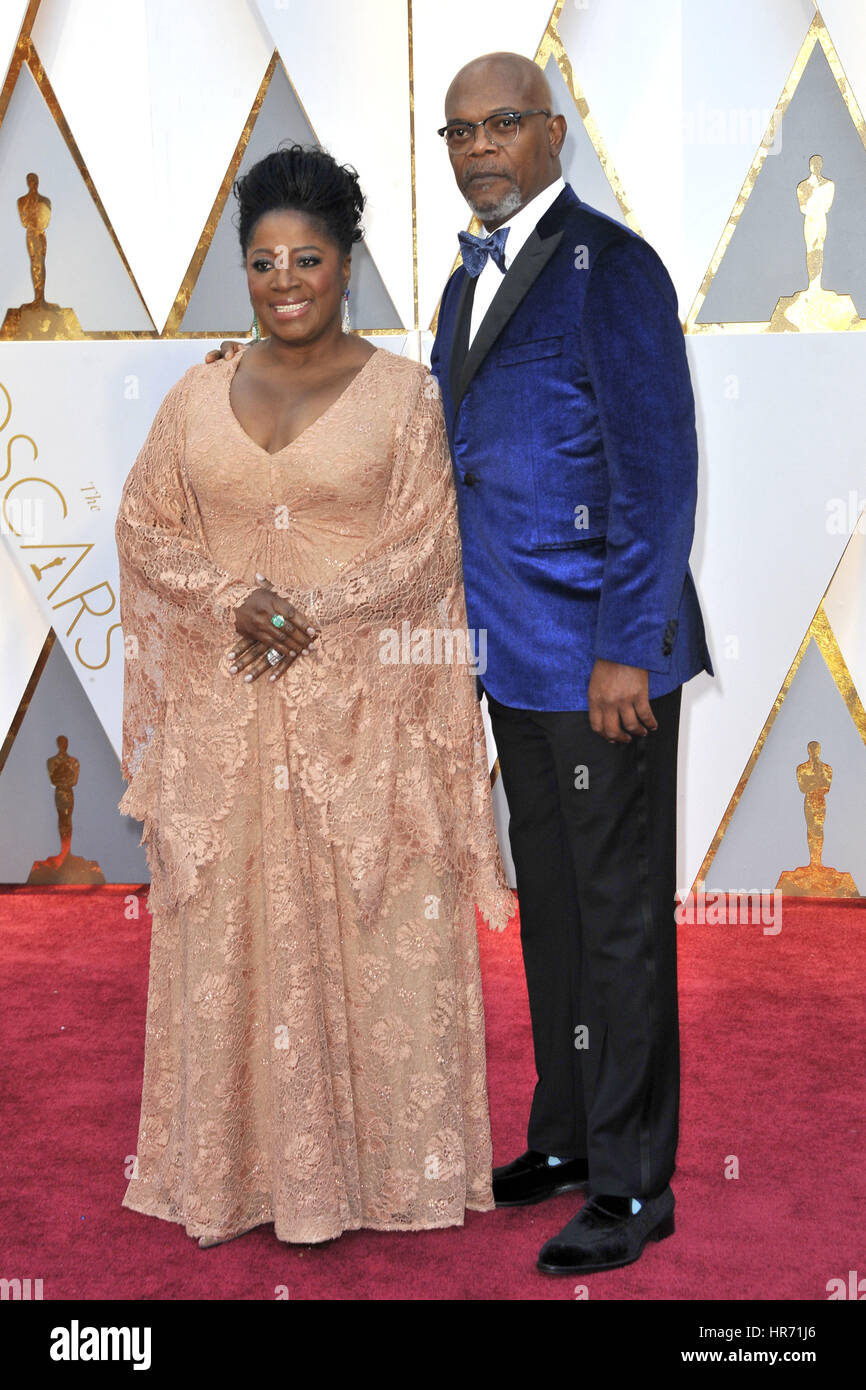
[530, 351]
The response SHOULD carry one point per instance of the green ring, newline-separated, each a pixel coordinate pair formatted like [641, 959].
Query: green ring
[278, 620]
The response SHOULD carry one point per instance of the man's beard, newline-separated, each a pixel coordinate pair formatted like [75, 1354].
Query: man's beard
[508, 204]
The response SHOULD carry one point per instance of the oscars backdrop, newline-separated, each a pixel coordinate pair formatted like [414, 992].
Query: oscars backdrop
[730, 135]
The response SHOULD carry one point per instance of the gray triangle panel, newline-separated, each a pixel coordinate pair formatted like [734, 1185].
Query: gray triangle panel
[767, 832]
[59, 705]
[766, 257]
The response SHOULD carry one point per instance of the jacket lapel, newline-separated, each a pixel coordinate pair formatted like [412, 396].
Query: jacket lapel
[460, 336]
[521, 276]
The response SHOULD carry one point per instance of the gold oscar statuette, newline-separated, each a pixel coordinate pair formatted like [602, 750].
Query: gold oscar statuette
[815, 310]
[816, 879]
[64, 867]
[38, 319]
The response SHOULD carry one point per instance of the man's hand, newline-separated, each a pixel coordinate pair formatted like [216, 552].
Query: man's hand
[226, 349]
[619, 706]
[258, 634]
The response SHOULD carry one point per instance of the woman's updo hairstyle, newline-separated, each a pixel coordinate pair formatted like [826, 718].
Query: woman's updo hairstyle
[303, 179]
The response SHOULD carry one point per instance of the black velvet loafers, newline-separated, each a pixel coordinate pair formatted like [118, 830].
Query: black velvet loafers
[601, 1238]
[531, 1179]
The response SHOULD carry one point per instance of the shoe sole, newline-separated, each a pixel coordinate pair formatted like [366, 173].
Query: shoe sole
[543, 1196]
[664, 1229]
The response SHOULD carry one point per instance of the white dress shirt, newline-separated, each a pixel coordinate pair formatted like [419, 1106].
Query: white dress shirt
[521, 227]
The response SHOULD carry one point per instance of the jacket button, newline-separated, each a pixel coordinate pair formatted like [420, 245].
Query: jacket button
[470, 479]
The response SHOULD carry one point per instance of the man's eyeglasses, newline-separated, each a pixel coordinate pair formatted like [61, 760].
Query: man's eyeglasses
[502, 128]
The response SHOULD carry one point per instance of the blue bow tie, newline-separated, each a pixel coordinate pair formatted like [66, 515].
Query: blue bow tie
[476, 249]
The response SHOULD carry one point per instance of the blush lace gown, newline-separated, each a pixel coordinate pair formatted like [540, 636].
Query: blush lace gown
[315, 1043]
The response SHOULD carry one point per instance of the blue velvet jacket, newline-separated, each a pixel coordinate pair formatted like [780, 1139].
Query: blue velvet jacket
[572, 431]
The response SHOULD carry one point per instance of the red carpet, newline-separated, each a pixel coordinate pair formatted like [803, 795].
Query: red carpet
[773, 1033]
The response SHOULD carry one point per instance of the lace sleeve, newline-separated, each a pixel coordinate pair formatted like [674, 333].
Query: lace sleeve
[176, 604]
[159, 533]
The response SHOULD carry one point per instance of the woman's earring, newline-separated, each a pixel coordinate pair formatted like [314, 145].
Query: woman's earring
[347, 322]
[256, 331]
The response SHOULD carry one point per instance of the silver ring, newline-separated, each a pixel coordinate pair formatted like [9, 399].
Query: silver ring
[274, 657]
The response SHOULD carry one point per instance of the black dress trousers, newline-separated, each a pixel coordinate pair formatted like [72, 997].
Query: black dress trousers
[593, 836]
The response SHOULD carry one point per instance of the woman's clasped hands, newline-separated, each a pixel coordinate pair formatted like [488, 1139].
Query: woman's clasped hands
[266, 646]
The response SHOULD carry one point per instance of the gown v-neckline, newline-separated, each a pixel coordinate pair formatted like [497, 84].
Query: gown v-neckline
[233, 366]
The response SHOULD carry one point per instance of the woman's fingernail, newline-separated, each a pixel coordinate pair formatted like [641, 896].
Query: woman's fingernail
[247, 678]
[311, 632]
[233, 670]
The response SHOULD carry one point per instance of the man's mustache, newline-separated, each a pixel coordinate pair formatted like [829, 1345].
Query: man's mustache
[485, 173]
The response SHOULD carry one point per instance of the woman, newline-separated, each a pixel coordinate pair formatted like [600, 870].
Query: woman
[317, 815]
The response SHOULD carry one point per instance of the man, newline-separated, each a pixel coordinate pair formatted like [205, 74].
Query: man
[570, 414]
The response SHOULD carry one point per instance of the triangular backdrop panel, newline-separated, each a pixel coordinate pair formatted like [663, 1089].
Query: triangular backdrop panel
[220, 302]
[780, 419]
[581, 166]
[23, 630]
[446, 35]
[165, 72]
[87, 408]
[736, 60]
[12, 14]
[621, 47]
[356, 93]
[845, 600]
[27, 812]
[84, 270]
[766, 257]
[846, 24]
[767, 831]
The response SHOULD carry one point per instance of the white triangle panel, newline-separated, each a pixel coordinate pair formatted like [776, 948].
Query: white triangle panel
[156, 67]
[447, 34]
[87, 443]
[401, 344]
[846, 24]
[12, 14]
[349, 63]
[737, 57]
[628, 60]
[682, 108]
[845, 603]
[22, 634]
[780, 419]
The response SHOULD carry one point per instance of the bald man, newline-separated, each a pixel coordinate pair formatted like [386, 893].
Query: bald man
[570, 415]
